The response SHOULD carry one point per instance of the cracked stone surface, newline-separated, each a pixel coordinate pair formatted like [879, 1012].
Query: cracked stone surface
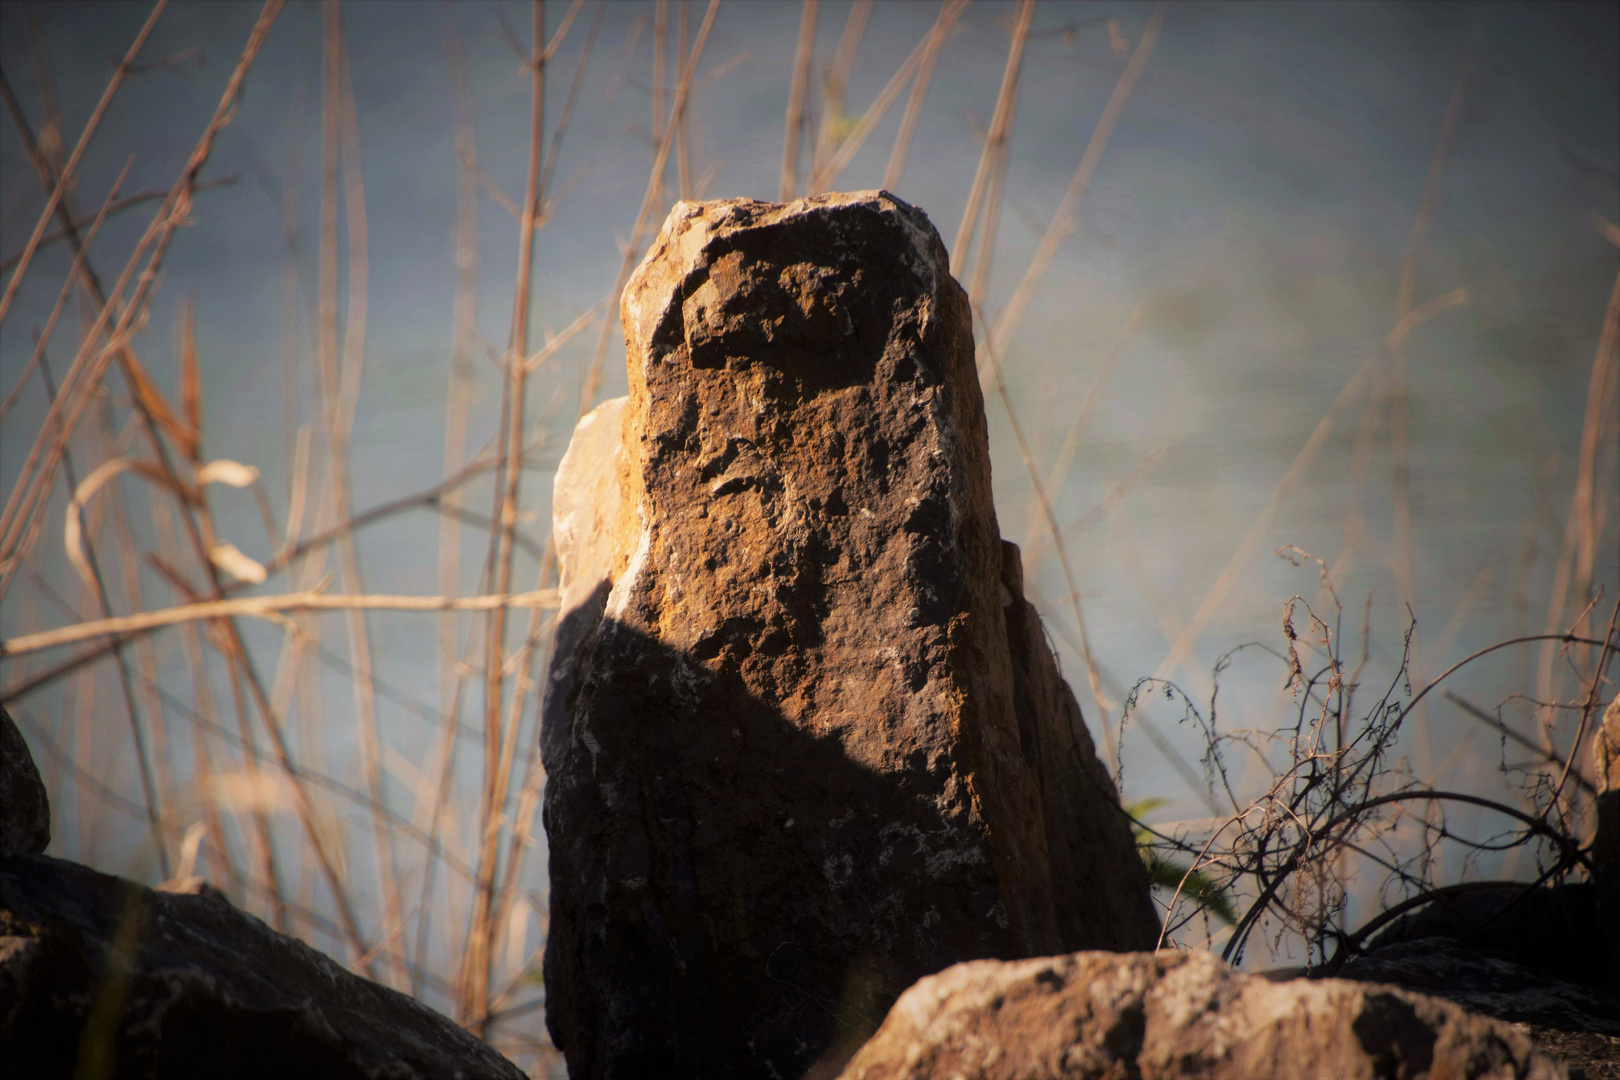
[805, 742]
[1174, 1016]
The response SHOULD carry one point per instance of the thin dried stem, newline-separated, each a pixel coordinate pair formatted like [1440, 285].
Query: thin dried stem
[914, 103]
[1065, 220]
[593, 375]
[835, 88]
[474, 994]
[66, 178]
[1399, 397]
[839, 158]
[995, 139]
[793, 124]
[265, 607]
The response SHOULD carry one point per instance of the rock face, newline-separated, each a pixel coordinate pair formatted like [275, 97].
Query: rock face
[1606, 844]
[1528, 956]
[152, 984]
[1169, 1016]
[25, 815]
[1548, 929]
[805, 742]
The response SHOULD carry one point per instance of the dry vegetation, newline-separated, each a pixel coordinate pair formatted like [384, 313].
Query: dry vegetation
[427, 874]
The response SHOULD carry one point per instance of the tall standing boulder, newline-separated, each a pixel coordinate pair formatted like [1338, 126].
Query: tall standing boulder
[805, 742]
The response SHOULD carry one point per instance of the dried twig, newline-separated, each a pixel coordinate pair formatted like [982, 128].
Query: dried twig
[263, 607]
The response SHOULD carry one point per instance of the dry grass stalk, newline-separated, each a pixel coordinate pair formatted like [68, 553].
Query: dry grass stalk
[995, 142]
[914, 101]
[65, 179]
[95, 584]
[265, 607]
[683, 122]
[338, 372]
[1064, 220]
[831, 124]
[841, 154]
[593, 374]
[476, 955]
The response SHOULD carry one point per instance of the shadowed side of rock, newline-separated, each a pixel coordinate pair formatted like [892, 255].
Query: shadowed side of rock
[1098, 881]
[155, 984]
[792, 763]
[25, 813]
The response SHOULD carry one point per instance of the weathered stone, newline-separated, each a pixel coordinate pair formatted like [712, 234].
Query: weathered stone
[1548, 929]
[1605, 848]
[1097, 877]
[156, 984]
[804, 740]
[25, 812]
[1178, 1016]
[1488, 982]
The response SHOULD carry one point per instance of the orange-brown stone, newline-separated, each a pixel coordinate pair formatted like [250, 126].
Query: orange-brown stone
[804, 740]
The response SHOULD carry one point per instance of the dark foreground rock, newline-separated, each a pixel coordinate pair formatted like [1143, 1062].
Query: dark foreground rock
[101, 974]
[804, 739]
[1549, 929]
[1577, 1022]
[1530, 956]
[25, 814]
[1171, 1016]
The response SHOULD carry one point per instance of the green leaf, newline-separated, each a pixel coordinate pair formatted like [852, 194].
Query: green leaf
[1170, 875]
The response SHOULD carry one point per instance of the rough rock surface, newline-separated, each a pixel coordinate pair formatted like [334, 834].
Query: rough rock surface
[25, 814]
[1167, 1016]
[154, 984]
[1606, 844]
[804, 740]
[1579, 1022]
[1549, 929]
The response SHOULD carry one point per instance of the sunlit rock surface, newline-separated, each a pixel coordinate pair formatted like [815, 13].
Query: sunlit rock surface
[1605, 851]
[804, 739]
[1173, 1016]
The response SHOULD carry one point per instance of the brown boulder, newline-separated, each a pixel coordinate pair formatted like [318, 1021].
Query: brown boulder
[1178, 1016]
[804, 740]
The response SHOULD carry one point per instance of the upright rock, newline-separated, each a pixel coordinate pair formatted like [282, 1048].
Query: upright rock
[805, 742]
